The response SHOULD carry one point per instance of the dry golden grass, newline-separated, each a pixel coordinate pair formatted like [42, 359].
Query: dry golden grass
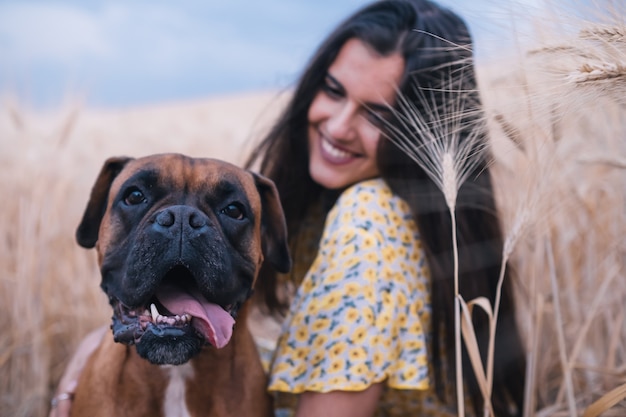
[557, 116]
[558, 121]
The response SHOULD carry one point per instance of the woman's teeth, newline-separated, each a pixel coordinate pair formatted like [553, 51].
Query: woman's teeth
[333, 151]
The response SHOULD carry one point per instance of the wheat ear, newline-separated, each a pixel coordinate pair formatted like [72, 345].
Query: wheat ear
[597, 71]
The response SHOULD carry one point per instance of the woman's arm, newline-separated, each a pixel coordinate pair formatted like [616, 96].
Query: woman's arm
[62, 400]
[340, 403]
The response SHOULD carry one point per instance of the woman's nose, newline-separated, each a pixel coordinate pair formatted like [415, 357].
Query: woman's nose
[341, 123]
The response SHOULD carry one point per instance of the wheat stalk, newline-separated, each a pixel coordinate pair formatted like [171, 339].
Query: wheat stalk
[607, 401]
[590, 315]
[609, 160]
[469, 335]
[565, 50]
[567, 377]
[438, 147]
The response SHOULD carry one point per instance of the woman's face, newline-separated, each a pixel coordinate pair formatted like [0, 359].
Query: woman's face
[343, 117]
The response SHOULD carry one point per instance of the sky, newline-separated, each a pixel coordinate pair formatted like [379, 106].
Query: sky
[121, 53]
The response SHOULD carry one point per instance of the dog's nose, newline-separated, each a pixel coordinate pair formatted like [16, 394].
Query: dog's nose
[183, 215]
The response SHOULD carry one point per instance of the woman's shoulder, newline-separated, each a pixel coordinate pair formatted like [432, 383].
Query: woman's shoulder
[376, 186]
[369, 202]
[372, 194]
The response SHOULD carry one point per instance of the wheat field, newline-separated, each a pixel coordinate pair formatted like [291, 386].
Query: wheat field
[556, 111]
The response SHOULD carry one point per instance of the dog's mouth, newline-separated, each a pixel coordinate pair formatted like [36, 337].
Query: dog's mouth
[177, 308]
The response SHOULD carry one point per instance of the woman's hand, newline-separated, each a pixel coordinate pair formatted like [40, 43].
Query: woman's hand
[340, 403]
[62, 400]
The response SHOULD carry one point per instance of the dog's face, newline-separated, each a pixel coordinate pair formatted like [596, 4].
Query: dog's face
[180, 242]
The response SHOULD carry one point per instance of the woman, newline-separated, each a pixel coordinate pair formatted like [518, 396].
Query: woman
[370, 330]
[433, 46]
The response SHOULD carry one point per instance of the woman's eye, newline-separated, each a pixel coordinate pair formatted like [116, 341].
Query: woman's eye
[377, 118]
[234, 211]
[374, 118]
[332, 90]
[134, 197]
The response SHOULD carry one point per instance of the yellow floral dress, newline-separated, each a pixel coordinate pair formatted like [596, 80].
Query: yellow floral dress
[362, 313]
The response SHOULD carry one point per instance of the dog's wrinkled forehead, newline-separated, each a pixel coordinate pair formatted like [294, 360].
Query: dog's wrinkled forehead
[193, 176]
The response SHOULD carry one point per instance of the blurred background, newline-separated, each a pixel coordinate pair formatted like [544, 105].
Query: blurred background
[124, 53]
[83, 80]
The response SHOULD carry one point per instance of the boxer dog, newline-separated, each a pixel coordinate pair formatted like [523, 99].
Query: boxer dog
[179, 242]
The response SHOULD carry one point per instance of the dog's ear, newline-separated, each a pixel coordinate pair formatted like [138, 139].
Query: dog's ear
[273, 225]
[87, 232]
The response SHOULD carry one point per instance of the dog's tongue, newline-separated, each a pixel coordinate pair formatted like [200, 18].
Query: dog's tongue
[215, 324]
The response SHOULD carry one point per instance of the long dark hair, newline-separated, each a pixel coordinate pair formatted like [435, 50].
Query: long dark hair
[436, 46]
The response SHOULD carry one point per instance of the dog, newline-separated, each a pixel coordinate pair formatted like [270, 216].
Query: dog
[179, 242]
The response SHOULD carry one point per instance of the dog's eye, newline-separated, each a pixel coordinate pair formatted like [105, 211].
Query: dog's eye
[234, 211]
[134, 197]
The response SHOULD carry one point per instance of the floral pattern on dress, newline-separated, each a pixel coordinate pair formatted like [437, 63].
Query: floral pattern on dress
[362, 313]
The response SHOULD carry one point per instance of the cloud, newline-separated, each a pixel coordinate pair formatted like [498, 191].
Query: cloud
[136, 49]
[130, 52]
[33, 32]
